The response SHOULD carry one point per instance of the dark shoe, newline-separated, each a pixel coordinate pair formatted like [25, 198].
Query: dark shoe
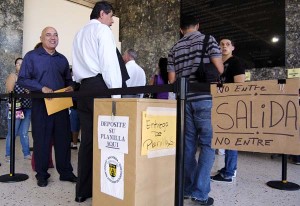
[42, 182]
[295, 162]
[209, 201]
[71, 178]
[80, 199]
[185, 197]
[220, 178]
[51, 165]
[73, 146]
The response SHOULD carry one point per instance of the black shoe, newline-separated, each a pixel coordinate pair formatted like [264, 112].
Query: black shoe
[220, 178]
[80, 199]
[185, 197]
[42, 182]
[209, 201]
[71, 178]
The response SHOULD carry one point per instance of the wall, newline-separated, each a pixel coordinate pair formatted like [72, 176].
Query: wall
[150, 27]
[11, 38]
[68, 18]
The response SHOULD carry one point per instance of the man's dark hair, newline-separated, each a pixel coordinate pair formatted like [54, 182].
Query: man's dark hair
[101, 6]
[18, 59]
[188, 20]
[229, 38]
[162, 64]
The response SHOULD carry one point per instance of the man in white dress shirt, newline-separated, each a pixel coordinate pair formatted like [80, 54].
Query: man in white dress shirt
[136, 73]
[95, 66]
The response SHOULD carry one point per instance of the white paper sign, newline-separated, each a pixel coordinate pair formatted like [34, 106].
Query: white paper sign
[113, 133]
[112, 173]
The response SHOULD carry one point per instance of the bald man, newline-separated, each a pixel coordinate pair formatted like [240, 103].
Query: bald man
[44, 70]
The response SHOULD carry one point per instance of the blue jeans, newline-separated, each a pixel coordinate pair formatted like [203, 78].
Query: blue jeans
[231, 157]
[74, 120]
[21, 129]
[198, 132]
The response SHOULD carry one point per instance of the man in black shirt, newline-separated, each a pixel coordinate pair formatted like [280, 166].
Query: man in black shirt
[233, 73]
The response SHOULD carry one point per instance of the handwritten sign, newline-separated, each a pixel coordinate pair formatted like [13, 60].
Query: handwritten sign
[113, 133]
[247, 76]
[257, 116]
[158, 130]
[292, 73]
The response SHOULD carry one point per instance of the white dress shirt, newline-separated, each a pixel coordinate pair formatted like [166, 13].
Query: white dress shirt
[94, 52]
[136, 74]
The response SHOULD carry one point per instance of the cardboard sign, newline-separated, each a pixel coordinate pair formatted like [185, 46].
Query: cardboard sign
[292, 73]
[260, 116]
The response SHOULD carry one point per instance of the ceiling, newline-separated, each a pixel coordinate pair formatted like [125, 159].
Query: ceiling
[251, 24]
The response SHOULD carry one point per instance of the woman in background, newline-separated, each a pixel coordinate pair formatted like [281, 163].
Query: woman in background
[160, 77]
[23, 113]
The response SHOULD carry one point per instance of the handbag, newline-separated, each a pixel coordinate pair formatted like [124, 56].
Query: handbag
[19, 111]
[207, 72]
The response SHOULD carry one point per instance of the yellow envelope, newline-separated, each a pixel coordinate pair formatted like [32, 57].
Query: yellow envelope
[57, 104]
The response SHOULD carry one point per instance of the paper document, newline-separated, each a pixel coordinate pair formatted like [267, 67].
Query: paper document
[54, 105]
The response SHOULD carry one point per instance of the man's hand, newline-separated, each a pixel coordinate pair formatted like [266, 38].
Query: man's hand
[69, 89]
[47, 90]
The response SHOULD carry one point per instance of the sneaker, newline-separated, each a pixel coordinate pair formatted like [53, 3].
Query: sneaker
[219, 178]
[296, 162]
[234, 174]
[209, 201]
[27, 157]
[220, 151]
[7, 158]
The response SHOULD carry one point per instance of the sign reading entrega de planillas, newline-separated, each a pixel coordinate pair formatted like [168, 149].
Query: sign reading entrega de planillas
[260, 116]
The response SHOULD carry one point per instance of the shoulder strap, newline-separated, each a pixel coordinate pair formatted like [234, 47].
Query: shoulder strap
[205, 43]
[200, 72]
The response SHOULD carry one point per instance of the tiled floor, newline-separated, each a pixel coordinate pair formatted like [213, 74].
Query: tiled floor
[249, 189]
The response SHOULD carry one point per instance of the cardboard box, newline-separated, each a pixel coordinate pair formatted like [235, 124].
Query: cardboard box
[147, 181]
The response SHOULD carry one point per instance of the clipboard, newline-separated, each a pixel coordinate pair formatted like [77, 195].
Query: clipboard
[58, 104]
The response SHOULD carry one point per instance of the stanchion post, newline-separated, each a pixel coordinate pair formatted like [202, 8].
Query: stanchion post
[181, 86]
[12, 176]
[13, 133]
[284, 184]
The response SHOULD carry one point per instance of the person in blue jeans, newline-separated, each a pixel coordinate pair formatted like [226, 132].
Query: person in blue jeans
[23, 114]
[184, 59]
[234, 72]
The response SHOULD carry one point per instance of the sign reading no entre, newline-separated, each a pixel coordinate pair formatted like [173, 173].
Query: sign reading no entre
[259, 116]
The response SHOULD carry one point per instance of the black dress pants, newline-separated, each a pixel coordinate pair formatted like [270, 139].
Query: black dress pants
[85, 109]
[44, 129]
